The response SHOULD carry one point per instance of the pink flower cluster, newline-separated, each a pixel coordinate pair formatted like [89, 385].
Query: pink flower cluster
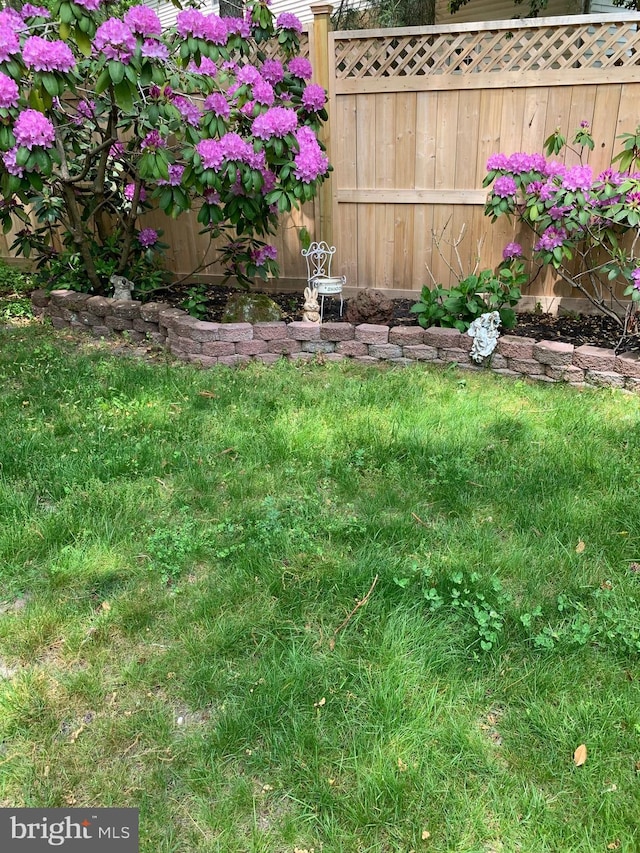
[175, 176]
[9, 92]
[210, 28]
[577, 178]
[148, 237]
[518, 163]
[314, 97]
[143, 21]
[272, 71]
[287, 21]
[309, 162]
[300, 67]
[9, 160]
[30, 11]
[115, 40]
[154, 49]
[153, 140]
[263, 254]
[278, 121]
[218, 104]
[9, 43]
[130, 190]
[505, 186]
[512, 250]
[89, 5]
[33, 129]
[189, 110]
[215, 152]
[42, 55]
[635, 275]
[551, 239]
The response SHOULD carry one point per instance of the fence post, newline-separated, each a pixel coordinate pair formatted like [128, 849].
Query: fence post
[321, 24]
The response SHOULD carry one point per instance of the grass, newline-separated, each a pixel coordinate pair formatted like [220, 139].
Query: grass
[178, 549]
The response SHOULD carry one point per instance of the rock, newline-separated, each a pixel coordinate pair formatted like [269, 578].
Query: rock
[250, 308]
[369, 306]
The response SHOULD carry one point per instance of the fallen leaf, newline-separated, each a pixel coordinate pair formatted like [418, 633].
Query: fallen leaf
[580, 755]
[614, 845]
[106, 606]
[580, 547]
[401, 765]
[426, 835]
[267, 787]
[319, 704]
[332, 644]
[209, 394]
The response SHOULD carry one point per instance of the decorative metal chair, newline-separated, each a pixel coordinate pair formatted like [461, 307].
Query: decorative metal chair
[318, 257]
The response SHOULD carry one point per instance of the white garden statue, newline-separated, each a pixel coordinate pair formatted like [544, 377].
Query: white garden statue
[122, 287]
[485, 333]
[311, 309]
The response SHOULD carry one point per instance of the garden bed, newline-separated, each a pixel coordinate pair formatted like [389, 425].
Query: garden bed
[577, 329]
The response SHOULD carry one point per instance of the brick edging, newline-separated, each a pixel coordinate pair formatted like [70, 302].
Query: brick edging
[210, 344]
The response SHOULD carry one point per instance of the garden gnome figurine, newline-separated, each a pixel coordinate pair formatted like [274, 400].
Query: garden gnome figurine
[485, 332]
[122, 287]
[311, 309]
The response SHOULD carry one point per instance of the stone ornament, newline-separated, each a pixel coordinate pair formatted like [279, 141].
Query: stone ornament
[311, 308]
[485, 333]
[122, 287]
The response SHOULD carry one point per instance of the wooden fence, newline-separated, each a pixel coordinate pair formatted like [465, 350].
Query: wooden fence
[415, 113]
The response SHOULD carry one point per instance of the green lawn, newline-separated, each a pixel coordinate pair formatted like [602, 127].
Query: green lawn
[185, 559]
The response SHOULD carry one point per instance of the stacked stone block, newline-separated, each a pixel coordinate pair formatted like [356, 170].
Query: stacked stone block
[210, 344]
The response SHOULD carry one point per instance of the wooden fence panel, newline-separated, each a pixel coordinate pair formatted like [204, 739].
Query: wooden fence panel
[421, 110]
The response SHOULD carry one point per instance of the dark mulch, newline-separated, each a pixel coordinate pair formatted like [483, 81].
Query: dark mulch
[596, 330]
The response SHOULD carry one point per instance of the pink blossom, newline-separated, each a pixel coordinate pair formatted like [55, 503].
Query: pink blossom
[238, 26]
[578, 178]
[148, 237]
[512, 250]
[635, 275]
[189, 110]
[497, 163]
[32, 128]
[272, 71]
[263, 254]
[210, 153]
[551, 239]
[175, 176]
[89, 5]
[609, 176]
[143, 20]
[216, 30]
[191, 22]
[208, 67]
[218, 104]
[300, 67]
[129, 192]
[9, 92]
[12, 19]
[29, 11]
[287, 21]
[153, 140]
[277, 121]
[154, 49]
[248, 74]
[309, 162]
[263, 93]
[9, 160]
[9, 43]
[314, 97]
[115, 40]
[43, 55]
[504, 186]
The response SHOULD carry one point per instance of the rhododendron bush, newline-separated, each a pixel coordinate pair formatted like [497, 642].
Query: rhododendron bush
[586, 226]
[104, 118]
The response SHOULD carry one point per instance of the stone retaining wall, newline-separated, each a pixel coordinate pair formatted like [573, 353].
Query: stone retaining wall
[209, 344]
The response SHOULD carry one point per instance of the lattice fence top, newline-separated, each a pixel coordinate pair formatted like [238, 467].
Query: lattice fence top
[558, 46]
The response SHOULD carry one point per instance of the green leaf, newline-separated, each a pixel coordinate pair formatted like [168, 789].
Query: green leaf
[51, 84]
[83, 41]
[123, 96]
[103, 82]
[116, 71]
